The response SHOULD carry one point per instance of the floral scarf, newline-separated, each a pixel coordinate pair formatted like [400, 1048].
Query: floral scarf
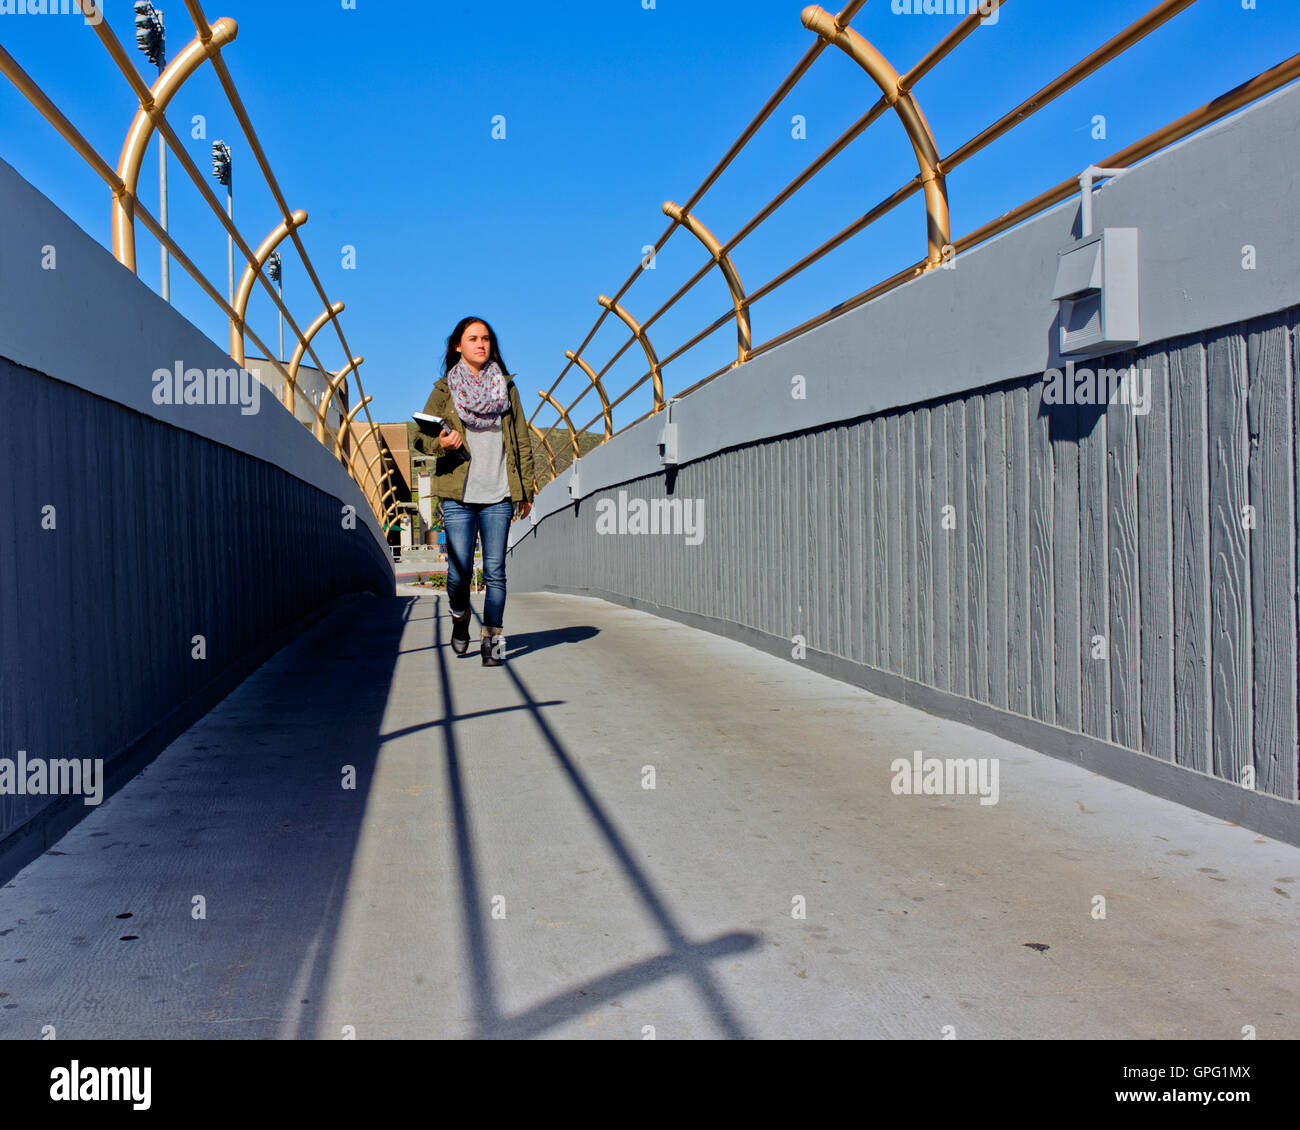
[480, 400]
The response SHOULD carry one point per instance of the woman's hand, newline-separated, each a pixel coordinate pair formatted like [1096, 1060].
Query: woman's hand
[525, 508]
[450, 440]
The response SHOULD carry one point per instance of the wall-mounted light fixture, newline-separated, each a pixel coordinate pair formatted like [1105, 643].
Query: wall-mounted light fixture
[1097, 283]
[667, 441]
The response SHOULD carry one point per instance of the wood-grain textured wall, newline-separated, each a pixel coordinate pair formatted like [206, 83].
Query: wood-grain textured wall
[1127, 576]
[159, 536]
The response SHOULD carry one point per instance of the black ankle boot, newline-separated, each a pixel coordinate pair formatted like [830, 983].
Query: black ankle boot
[492, 647]
[460, 635]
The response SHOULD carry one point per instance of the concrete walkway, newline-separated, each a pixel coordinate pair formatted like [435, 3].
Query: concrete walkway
[501, 870]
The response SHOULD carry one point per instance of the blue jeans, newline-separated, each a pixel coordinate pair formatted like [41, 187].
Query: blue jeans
[464, 523]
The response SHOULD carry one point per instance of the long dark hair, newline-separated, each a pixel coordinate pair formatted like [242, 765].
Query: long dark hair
[494, 349]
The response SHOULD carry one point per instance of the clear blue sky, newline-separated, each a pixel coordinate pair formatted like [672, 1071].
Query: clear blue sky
[378, 121]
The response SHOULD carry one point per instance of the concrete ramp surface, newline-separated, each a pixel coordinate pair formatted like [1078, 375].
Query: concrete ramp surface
[632, 829]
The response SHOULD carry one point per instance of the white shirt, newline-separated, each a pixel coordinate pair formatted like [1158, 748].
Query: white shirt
[485, 478]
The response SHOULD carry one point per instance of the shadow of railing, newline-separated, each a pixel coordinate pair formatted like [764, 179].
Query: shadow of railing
[682, 957]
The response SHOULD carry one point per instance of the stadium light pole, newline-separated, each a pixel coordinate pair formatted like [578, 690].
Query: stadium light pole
[223, 170]
[274, 273]
[151, 38]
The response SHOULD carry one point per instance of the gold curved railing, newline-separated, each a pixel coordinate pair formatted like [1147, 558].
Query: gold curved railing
[897, 94]
[208, 46]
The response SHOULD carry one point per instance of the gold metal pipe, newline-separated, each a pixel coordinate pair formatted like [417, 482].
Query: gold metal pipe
[155, 111]
[849, 135]
[716, 325]
[628, 392]
[368, 469]
[819, 20]
[375, 493]
[28, 88]
[704, 270]
[199, 19]
[945, 46]
[631, 341]
[187, 163]
[133, 77]
[335, 384]
[1248, 92]
[641, 336]
[712, 328]
[151, 106]
[723, 260]
[304, 344]
[721, 321]
[834, 150]
[889, 284]
[259, 155]
[244, 291]
[371, 490]
[393, 507]
[268, 174]
[573, 436]
[851, 304]
[346, 425]
[901, 89]
[850, 10]
[391, 516]
[600, 389]
[826, 157]
[777, 97]
[888, 204]
[142, 128]
[647, 415]
[1189, 123]
[614, 403]
[373, 435]
[1135, 32]
[163, 237]
[550, 455]
[1125, 39]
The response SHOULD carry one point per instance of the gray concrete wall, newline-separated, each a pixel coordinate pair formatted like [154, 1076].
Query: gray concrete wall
[1098, 587]
[131, 528]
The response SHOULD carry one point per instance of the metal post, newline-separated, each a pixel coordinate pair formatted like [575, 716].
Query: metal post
[230, 241]
[151, 38]
[275, 272]
[223, 168]
[162, 216]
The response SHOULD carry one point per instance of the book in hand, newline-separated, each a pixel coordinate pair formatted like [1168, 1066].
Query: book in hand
[430, 425]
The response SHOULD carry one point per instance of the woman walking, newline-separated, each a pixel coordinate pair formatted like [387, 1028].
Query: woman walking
[483, 474]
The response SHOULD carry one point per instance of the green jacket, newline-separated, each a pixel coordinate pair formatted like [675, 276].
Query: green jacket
[452, 466]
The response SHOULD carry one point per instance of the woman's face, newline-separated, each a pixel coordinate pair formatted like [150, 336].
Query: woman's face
[475, 345]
